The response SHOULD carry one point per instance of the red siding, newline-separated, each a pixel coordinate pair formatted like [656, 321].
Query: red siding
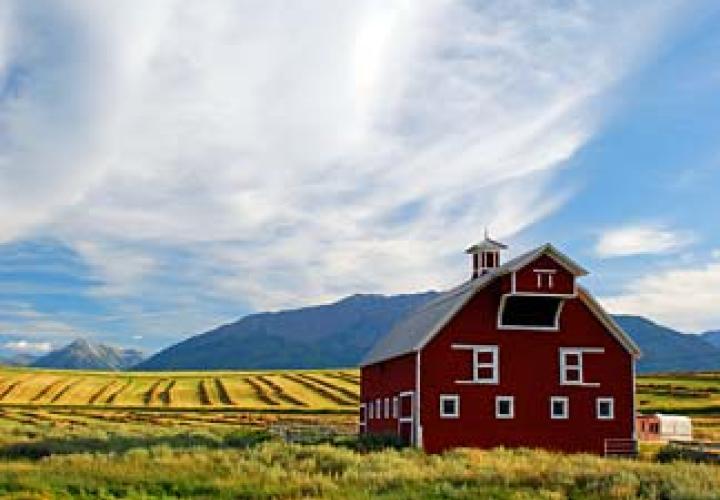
[529, 371]
[386, 380]
[526, 278]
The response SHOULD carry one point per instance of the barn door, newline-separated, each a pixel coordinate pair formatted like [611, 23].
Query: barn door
[406, 420]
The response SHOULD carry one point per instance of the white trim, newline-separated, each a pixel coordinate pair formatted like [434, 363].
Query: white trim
[494, 364]
[509, 399]
[598, 402]
[395, 407]
[563, 352]
[455, 398]
[417, 428]
[566, 407]
[609, 323]
[545, 271]
[513, 279]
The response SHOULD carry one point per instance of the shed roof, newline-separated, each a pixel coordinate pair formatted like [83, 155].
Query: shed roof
[420, 326]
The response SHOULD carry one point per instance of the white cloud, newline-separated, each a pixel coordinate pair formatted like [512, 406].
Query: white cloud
[640, 239]
[28, 347]
[298, 151]
[685, 298]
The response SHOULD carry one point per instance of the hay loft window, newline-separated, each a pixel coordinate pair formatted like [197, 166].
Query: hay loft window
[449, 406]
[527, 312]
[484, 363]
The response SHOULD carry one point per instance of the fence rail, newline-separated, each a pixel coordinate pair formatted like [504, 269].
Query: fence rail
[621, 448]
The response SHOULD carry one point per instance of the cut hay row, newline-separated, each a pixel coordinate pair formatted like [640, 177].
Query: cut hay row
[64, 390]
[116, 393]
[152, 395]
[49, 391]
[103, 392]
[9, 388]
[206, 394]
[279, 393]
[223, 393]
[318, 389]
[350, 395]
[260, 392]
[345, 377]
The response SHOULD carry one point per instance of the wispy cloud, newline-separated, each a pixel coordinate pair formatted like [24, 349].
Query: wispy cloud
[28, 347]
[274, 149]
[641, 239]
[684, 297]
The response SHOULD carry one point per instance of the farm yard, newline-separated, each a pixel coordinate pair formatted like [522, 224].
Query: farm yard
[211, 435]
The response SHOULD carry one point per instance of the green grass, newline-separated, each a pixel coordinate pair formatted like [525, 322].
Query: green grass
[52, 453]
[205, 435]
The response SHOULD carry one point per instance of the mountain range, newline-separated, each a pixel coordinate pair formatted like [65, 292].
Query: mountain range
[339, 334]
[82, 354]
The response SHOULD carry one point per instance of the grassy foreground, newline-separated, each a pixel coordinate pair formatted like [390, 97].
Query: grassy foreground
[65, 454]
[206, 435]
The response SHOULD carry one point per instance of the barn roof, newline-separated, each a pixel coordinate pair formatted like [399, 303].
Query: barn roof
[421, 325]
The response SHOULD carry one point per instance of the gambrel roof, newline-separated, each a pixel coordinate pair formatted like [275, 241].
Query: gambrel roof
[420, 326]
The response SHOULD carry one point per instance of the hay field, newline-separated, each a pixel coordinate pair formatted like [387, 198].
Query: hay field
[292, 390]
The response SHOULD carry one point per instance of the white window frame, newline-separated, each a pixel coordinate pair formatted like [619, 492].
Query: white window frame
[508, 399]
[387, 407]
[371, 413]
[563, 352]
[566, 406]
[542, 274]
[378, 408]
[608, 400]
[494, 364]
[395, 407]
[455, 398]
[537, 328]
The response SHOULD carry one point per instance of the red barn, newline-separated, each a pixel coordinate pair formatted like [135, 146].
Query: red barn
[519, 355]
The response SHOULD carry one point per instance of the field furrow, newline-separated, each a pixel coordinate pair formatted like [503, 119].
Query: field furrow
[319, 389]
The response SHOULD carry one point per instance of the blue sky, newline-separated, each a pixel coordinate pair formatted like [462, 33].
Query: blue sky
[168, 168]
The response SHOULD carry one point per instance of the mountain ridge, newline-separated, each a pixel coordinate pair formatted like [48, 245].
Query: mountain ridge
[340, 333]
[81, 354]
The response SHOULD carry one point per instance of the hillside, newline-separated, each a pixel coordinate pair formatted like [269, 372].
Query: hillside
[712, 337]
[84, 355]
[339, 334]
[326, 336]
[667, 350]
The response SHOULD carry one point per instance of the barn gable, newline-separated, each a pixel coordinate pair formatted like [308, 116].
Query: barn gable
[416, 330]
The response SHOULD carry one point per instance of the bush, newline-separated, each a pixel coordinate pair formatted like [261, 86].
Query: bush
[376, 442]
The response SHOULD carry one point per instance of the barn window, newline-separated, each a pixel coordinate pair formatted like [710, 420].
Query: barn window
[387, 407]
[530, 312]
[605, 408]
[571, 365]
[396, 407]
[449, 406]
[485, 361]
[378, 410]
[504, 407]
[559, 407]
[371, 413]
[363, 414]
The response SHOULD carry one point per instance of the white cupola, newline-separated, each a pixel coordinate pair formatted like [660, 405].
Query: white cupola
[485, 255]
